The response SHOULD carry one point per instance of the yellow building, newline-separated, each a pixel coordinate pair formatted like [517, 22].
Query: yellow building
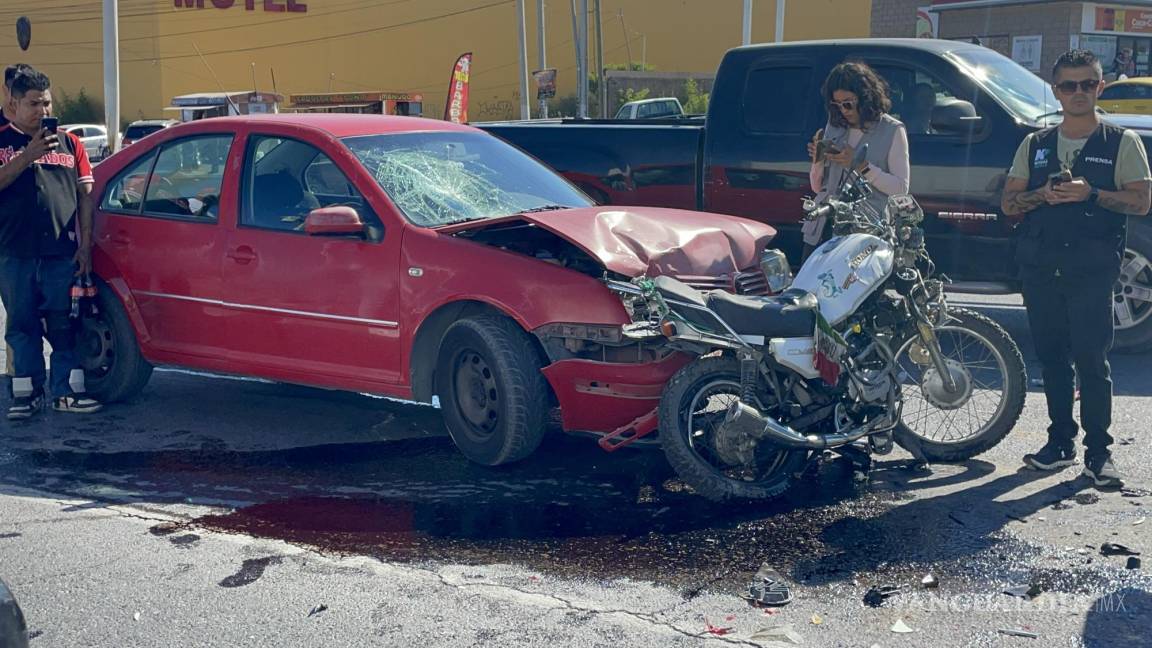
[316, 46]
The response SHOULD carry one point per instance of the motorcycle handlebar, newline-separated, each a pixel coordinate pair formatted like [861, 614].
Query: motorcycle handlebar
[823, 211]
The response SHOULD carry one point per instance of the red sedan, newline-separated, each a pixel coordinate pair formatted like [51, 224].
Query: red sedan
[394, 256]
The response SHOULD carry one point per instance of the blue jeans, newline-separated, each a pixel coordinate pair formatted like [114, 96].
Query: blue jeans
[35, 289]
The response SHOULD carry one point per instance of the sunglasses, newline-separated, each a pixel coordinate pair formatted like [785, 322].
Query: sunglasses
[1087, 85]
[843, 105]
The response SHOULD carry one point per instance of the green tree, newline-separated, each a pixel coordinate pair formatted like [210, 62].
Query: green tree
[79, 109]
[697, 101]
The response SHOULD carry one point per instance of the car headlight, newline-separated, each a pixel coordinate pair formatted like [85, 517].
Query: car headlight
[776, 270]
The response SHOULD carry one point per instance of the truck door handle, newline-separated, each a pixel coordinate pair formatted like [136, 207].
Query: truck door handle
[242, 255]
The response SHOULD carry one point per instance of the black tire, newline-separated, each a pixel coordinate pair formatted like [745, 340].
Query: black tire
[114, 369]
[1015, 390]
[504, 415]
[704, 477]
[1130, 296]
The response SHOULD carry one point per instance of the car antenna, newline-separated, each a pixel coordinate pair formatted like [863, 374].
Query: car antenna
[227, 97]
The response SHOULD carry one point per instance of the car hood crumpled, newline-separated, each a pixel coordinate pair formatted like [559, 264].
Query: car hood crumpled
[651, 241]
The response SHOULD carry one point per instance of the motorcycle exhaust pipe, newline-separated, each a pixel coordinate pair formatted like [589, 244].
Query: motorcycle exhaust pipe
[744, 419]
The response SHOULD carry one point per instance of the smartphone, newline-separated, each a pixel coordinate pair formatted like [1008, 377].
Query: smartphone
[825, 148]
[51, 123]
[1059, 178]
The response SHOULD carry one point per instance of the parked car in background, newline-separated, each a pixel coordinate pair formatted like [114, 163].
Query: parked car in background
[93, 136]
[651, 109]
[391, 255]
[140, 129]
[1131, 96]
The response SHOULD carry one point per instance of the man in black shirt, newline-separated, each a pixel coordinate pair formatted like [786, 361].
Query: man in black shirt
[42, 195]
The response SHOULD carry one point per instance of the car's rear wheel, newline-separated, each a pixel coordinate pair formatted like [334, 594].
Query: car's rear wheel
[114, 369]
[493, 397]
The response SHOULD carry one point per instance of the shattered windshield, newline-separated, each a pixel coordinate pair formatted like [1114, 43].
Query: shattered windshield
[444, 178]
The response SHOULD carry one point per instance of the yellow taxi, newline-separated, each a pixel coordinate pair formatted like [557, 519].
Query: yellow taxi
[1130, 96]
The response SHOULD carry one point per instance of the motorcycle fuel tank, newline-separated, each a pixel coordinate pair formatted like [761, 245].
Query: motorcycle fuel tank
[844, 271]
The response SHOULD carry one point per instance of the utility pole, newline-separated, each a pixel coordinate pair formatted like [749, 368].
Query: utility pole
[522, 52]
[747, 39]
[602, 85]
[580, 35]
[781, 5]
[627, 39]
[112, 74]
[540, 10]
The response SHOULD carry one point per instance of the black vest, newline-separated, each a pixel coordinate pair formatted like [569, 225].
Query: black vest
[1074, 235]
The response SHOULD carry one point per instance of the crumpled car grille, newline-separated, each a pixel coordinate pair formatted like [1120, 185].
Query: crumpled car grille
[750, 282]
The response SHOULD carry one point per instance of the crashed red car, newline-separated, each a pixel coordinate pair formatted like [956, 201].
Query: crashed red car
[396, 256]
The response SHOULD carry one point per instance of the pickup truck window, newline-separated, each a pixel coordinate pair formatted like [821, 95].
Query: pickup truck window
[1022, 93]
[914, 94]
[451, 177]
[774, 100]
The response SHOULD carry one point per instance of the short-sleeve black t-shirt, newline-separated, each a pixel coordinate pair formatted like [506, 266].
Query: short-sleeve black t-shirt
[38, 210]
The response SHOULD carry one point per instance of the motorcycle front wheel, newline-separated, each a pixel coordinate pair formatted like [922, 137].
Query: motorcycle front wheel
[691, 409]
[990, 381]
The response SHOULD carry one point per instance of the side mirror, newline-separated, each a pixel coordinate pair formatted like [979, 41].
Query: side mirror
[955, 116]
[339, 220]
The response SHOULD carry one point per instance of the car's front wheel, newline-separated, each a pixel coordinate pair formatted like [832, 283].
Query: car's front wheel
[114, 369]
[493, 397]
[1132, 295]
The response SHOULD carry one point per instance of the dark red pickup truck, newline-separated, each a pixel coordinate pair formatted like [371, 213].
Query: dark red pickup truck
[748, 156]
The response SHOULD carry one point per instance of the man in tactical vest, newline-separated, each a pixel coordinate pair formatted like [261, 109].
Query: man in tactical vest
[1077, 183]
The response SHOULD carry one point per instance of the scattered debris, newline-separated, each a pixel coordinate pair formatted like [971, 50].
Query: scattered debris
[1133, 563]
[1082, 551]
[1016, 517]
[1042, 518]
[781, 633]
[901, 627]
[816, 619]
[1011, 632]
[136, 616]
[317, 610]
[952, 516]
[930, 582]
[1027, 592]
[876, 596]
[716, 630]
[1116, 549]
[35, 633]
[1086, 498]
[1127, 441]
[1061, 505]
[1140, 521]
[768, 588]
[730, 617]
[1134, 492]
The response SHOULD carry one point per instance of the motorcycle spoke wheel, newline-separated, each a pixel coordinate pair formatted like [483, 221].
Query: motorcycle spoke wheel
[704, 412]
[981, 369]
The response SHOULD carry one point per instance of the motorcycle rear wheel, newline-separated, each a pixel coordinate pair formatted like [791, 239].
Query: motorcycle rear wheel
[691, 409]
[987, 362]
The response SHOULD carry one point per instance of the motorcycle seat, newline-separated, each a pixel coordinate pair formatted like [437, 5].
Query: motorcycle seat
[790, 314]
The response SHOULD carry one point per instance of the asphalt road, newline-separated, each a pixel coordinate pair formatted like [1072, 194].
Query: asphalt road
[222, 512]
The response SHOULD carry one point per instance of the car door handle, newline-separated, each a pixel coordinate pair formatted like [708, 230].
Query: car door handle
[120, 239]
[242, 255]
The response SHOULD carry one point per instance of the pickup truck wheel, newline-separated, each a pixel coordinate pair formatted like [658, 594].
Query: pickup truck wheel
[1132, 295]
[492, 395]
[114, 369]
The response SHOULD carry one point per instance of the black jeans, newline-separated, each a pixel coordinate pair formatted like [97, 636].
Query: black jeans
[1070, 314]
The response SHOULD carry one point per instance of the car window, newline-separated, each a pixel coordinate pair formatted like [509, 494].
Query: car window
[914, 93]
[285, 179]
[187, 177]
[623, 112]
[139, 132]
[126, 192]
[763, 110]
[644, 110]
[1126, 91]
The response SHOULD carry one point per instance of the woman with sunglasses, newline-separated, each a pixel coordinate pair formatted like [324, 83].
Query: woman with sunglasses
[858, 105]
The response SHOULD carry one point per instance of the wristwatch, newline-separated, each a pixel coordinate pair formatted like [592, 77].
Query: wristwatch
[1093, 196]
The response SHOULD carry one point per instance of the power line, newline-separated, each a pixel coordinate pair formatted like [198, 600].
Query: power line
[302, 41]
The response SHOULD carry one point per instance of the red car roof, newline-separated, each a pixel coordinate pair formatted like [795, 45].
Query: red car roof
[345, 124]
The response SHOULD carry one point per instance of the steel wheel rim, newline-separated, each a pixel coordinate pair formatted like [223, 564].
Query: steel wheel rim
[97, 347]
[1132, 293]
[716, 396]
[477, 394]
[924, 419]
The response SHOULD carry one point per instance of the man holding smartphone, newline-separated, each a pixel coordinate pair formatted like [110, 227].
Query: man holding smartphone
[1077, 183]
[44, 185]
